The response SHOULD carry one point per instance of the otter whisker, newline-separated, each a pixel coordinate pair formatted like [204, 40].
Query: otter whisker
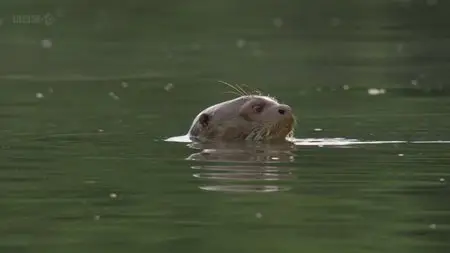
[244, 92]
[252, 90]
[261, 133]
[260, 136]
[242, 89]
[248, 91]
[255, 134]
[236, 88]
[233, 92]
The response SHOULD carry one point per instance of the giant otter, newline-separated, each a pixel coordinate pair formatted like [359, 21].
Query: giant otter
[249, 117]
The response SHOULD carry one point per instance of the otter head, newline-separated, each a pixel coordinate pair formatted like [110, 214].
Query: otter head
[270, 119]
[250, 117]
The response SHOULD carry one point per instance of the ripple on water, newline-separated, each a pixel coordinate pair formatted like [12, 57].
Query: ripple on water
[242, 168]
[259, 168]
[330, 141]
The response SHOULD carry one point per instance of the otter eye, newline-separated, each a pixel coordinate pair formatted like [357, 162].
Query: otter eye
[258, 108]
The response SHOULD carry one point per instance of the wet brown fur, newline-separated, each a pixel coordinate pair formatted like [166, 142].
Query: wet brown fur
[224, 121]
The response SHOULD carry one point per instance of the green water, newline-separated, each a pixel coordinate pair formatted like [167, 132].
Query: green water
[89, 96]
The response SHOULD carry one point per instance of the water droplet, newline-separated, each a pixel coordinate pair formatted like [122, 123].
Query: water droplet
[39, 95]
[375, 91]
[168, 86]
[278, 22]
[113, 95]
[46, 43]
[240, 43]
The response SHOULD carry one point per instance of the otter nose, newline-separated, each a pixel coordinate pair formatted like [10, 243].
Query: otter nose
[283, 109]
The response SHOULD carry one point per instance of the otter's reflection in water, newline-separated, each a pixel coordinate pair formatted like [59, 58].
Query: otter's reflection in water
[243, 168]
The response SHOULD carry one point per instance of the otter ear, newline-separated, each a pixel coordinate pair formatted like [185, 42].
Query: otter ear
[204, 119]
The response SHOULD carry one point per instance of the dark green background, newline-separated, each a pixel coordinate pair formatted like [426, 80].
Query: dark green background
[64, 154]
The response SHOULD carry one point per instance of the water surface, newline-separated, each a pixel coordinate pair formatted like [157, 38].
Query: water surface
[87, 102]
